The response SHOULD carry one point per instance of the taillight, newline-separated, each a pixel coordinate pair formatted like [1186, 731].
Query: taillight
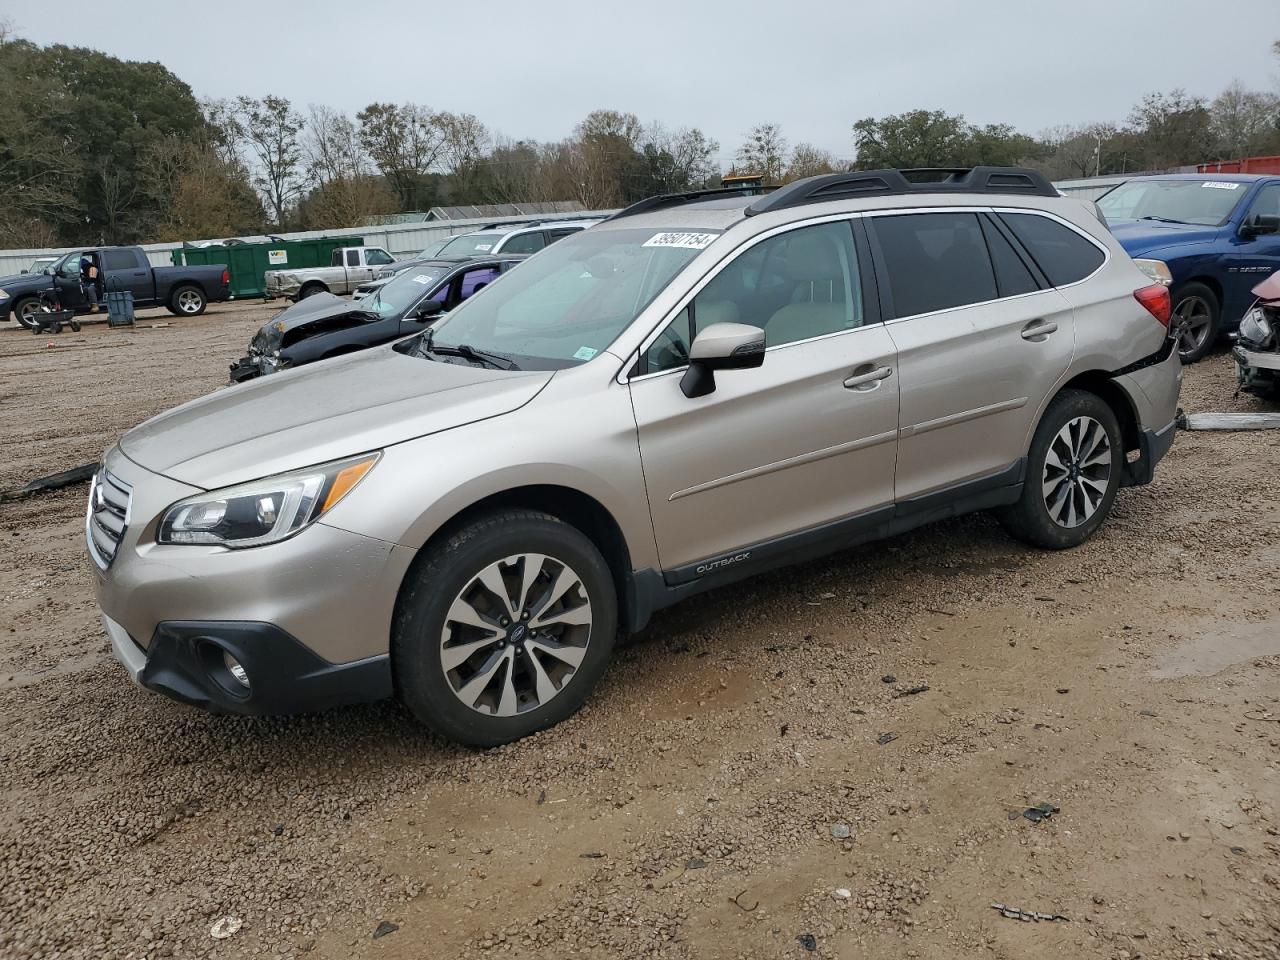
[1157, 301]
[226, 276]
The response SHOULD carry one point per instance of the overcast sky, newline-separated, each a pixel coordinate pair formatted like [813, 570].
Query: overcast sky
[533, 69]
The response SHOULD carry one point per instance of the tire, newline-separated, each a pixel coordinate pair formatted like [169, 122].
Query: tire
[480, 701]
[187, 301]
[1057, 511]
[23, 308]
[311, 289]
[1196, 319]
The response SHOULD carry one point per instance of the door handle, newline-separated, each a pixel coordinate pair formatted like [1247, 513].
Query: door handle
[1037, 331]
[868, 378]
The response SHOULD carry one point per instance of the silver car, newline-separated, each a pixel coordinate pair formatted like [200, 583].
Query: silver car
[703, 387]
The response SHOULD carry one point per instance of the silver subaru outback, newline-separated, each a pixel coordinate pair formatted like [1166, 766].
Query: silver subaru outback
[705, 386]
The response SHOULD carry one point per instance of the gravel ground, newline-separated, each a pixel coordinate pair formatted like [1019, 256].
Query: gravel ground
[754, 779]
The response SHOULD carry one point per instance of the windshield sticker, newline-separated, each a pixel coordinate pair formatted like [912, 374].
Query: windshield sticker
[1220, 186]
[585, 353]
[486, 247]
[684, 241]
[422, 278]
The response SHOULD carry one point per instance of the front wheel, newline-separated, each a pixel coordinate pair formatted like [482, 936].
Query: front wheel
[187, 302]
[1196, 316]
[1073, 473]
[504, 629]
[25, 310]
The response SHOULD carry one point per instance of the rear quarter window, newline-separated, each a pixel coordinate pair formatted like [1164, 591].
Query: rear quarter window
[1063, 255]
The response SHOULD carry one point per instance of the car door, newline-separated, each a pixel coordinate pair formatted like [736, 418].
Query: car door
[1253, 253]
[122, 271]
[795, 451]
[977, 354]
[66, 281]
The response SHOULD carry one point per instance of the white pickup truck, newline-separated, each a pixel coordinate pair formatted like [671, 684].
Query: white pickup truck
[348, 268]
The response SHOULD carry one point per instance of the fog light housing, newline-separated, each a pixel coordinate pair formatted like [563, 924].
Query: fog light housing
[238, 673]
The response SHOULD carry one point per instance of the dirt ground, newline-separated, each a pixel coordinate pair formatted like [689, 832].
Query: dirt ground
[754, 779]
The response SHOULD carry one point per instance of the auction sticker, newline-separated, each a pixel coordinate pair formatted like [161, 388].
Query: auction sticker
[585, 353]
[1217, 185]
[423, 278]
[683, 241]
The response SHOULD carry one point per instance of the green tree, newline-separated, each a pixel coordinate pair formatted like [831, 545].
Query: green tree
[917, 138]
[1173, 128]
[405, 142]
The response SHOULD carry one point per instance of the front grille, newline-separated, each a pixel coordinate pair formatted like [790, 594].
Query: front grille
[107, 516]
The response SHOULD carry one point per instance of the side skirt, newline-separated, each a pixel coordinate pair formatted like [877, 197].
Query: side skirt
[650, 590]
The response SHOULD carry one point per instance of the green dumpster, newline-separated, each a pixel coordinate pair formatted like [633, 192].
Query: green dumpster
[247, 262]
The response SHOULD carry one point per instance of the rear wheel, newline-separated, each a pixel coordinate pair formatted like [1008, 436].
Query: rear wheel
[504, 629]
[1196, 315]
[187, 301]
[311, 289]
[1073, 473]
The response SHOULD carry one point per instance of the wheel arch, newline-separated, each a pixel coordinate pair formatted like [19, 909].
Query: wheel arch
[1214, 285]
[1101, 384]
[579, 510]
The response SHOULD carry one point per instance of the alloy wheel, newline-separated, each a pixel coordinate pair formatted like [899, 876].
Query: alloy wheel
[27, 315]
[1192, 320]
[1077, 472]
[516, 634]
[189, 301]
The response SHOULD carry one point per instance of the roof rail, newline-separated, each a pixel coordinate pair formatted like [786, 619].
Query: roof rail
[867, 183]
[676, 199]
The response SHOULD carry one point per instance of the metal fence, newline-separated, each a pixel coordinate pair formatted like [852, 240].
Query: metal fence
[402, 239]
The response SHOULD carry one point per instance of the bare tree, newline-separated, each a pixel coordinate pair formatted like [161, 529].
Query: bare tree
[271, 131]
[764, 152]
[1243, 120]
[405, 142]
[809, 161]
[331, 147]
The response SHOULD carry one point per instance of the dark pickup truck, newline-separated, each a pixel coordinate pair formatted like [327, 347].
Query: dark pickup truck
[185, 291]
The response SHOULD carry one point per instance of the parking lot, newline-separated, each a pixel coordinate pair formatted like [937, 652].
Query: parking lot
[829, 761]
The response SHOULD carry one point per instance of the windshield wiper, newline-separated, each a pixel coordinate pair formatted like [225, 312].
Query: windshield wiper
[1162, 219]
[465, 351]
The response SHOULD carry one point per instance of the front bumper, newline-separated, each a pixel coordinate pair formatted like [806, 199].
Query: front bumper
[1257, 372]
[329, 590]
[186, 662]
[252, 365]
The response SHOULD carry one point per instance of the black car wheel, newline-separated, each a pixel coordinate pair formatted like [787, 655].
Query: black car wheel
[187, 301]
[1196, 315]
[504, 628]
[24, 312]
[1073, 473]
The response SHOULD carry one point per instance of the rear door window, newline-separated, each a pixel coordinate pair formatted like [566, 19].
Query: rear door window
[119, 259]
[935, 261]
[1063, 255]
[353, 258]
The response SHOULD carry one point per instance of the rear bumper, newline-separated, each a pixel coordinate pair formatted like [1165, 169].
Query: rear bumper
[1152, 446]
[185, 661]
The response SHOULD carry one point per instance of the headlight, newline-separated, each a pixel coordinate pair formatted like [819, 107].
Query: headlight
[3, 295]
[1255, 327]
[262, 511]
[1157, 270]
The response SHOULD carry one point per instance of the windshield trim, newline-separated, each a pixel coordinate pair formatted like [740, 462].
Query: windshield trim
[1189, 223]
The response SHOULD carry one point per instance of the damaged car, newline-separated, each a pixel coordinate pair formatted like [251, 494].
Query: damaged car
[1257, 347]
[324, 326]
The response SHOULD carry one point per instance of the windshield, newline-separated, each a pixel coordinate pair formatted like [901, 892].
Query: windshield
[470, 244]
[572, 300]
[432, 248]
[402, 291]
[1204, 202]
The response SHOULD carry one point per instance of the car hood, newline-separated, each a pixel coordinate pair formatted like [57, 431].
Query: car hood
[1143, 236]
[325, 411]
[21, 279]
[320, 306]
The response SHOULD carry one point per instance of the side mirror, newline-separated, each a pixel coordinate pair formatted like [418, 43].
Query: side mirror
[26, 271]
[721, 346]
[428, 309]
[1259, 225]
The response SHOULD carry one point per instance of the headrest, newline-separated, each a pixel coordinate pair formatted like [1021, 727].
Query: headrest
[812, 257]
